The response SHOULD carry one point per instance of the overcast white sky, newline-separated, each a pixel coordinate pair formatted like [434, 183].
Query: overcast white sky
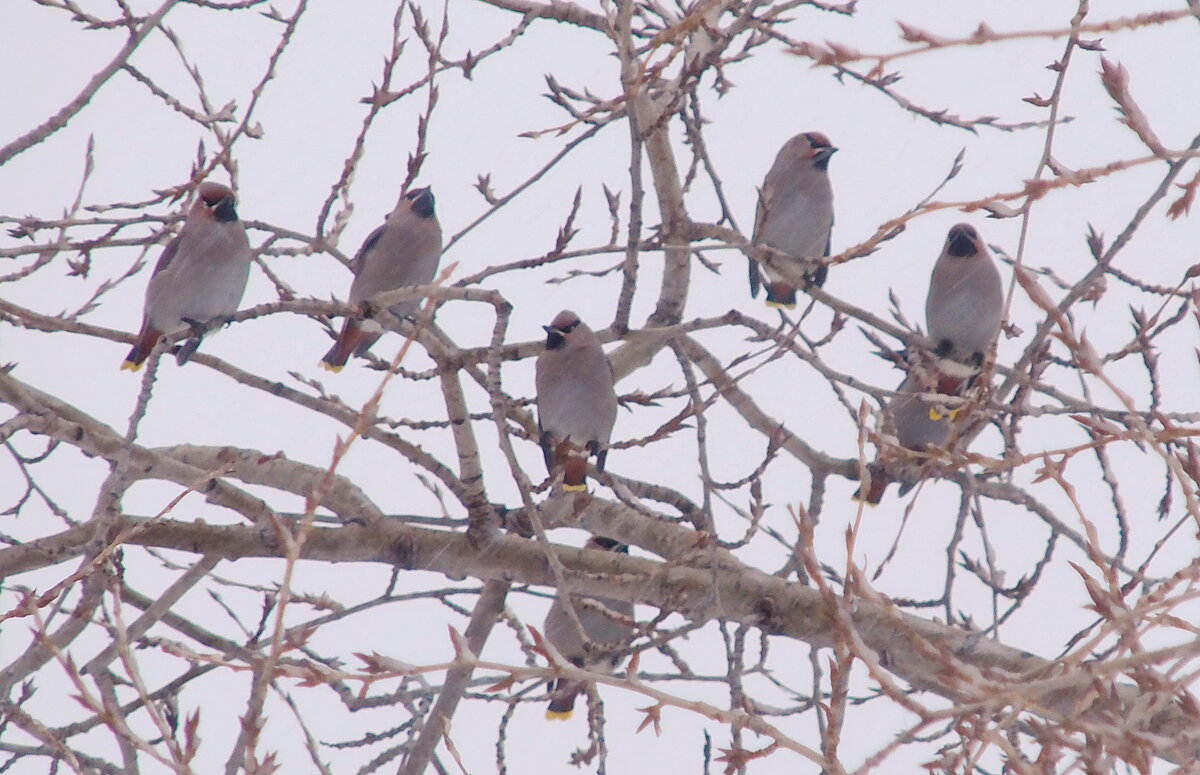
[310, 115]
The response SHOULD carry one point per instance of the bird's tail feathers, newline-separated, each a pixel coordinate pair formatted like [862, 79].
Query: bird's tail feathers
[955, 372]
[780, 295]
[365, 341]
[347, 343]
[871, 491]
[950, 385]
[574, 473]
[562, 699]
[141, 349]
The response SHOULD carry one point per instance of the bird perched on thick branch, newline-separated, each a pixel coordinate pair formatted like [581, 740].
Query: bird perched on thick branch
[606, 622]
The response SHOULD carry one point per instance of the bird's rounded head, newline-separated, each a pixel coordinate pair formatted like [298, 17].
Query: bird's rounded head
[819, 149]
[963, 241]
[562, 329]
[219, 200]
[422, 201]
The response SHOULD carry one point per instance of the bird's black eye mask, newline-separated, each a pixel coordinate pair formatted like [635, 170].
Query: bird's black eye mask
[556, 337]
[422, 199]
[223, 209]
[961, 244]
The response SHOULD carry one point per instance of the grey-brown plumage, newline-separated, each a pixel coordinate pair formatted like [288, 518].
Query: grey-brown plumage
[405, 250]
[606, 622]
[964, 307]
[199, 278]
[795, 214]
[921, 424]
[576, 402]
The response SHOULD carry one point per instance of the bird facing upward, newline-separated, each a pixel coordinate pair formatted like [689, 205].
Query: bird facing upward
[964, 307]
[606, 622]
[576, 402]
[405, 250]
[200, 276]
[795, 215]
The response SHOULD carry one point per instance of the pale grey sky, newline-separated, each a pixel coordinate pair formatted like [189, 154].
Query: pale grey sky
[888, 161]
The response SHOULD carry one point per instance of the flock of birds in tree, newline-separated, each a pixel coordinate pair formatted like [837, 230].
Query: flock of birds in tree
[201, 276]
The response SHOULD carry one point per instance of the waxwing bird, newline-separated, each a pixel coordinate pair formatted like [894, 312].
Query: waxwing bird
[405, 250]
[795, 214]
[200, 276]
[964, 307]
[608, 624]
[576, 403]
[921, 425]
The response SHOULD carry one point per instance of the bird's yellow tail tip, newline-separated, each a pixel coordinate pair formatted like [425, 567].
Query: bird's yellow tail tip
[558, 715]
[780, 305]
[130, 366]
[574, 488]
[330, 367]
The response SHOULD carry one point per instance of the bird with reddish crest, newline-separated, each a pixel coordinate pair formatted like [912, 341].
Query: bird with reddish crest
[795, 215]
[199, 278]
[576, 402]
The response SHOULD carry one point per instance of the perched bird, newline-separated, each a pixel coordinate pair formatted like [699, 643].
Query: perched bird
[607, 623]
[200, 276]
[921, 425]
[964, 307]
[405, 250]
[576, 403]
[795, 214]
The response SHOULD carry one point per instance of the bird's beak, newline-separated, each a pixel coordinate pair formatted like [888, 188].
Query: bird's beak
[823, 154]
